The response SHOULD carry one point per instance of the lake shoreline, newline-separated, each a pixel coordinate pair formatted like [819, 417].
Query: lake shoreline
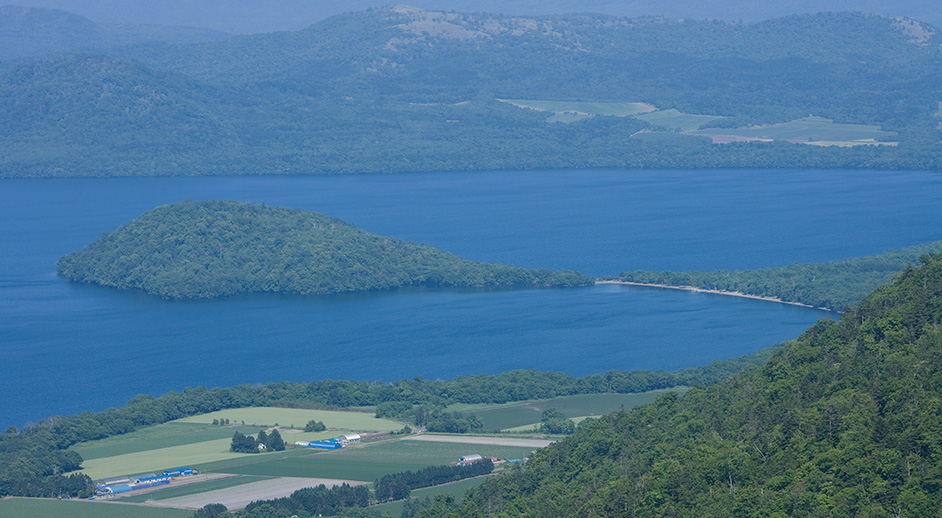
[713, 292]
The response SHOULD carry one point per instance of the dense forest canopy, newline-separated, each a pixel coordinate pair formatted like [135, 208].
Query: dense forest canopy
[844, 421]
[834, 285]
[401, 89]
[211, 249]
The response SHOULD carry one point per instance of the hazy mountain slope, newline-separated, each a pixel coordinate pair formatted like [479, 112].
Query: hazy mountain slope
[30, 31]
[245, 16]
[402, 89]
[841, 422]
[212, 249]
[84, 113]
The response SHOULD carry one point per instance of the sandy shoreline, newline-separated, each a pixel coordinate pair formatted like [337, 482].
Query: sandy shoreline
[714, 292]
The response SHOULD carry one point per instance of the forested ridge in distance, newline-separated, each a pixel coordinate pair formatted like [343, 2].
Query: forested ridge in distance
[399, 89]
[217, 248]
[834, 285]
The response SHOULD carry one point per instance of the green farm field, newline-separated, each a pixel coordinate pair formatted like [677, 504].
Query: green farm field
[287, 417]
[809, 129]
[364, 462]
[615, 109]
[154, 437]
[43, 508]
[172, 491]
[673, 119]
[508, 416]
[194, 440]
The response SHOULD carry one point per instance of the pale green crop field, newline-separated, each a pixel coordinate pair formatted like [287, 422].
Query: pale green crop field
[809, 129]
[364, 462]
[615, 109]
[194, 440]
[286, 417]
[673, 119]
[156, 437]
[522, 416]
[42, 508]
[172, 491]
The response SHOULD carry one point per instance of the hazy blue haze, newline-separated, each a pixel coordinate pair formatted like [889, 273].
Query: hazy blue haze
[69, 347]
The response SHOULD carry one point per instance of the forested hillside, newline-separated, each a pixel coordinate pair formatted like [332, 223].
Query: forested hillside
[842, 422]
[213, 249]
[834, 285]
[402, 89]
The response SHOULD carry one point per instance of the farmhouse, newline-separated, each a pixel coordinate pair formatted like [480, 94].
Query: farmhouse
[349, 439]
[469, 459]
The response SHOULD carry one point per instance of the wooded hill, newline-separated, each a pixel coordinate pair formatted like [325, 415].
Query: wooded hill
[844, 421]
[401, 89]
[217, 248]
[834, 285]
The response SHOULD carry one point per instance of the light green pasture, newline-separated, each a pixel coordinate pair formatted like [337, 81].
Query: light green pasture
[42, 508]
[616, 109]
[285, 417]
[364, 462]
[186, 455]
[673, 119]
[156, 437]
[512, 416]
[808, 129]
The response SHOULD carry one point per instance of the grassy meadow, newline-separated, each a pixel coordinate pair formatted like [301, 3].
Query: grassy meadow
[676, 120]
[512, 416]
[194, 440]
[297, 418]
[615, 109]
[43, 508]
[364, 462]
[813, 129]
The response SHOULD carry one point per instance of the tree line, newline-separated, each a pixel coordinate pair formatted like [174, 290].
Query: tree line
[835, 285]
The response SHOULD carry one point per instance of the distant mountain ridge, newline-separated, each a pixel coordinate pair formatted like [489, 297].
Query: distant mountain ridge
[34, 31]
[246, 16]
[403, 89]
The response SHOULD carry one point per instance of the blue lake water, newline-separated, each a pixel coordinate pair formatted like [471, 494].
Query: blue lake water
[68, 348]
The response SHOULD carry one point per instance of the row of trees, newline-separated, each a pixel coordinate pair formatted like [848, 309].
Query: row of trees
[398, 486]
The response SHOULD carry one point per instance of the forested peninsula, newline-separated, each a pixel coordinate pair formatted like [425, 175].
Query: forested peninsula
[843, 421]
[834, 285]
[216, 248]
